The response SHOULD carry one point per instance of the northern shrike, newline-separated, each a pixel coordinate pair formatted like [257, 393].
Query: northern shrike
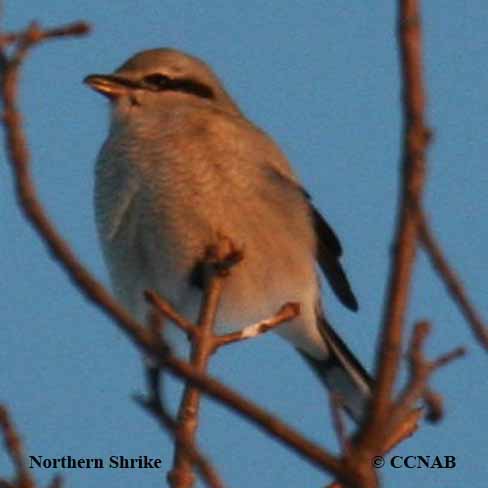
[182, 166]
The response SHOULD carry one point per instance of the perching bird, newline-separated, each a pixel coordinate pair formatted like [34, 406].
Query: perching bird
[182, 166]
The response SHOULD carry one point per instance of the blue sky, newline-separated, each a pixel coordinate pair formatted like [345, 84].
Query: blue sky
[323, 80]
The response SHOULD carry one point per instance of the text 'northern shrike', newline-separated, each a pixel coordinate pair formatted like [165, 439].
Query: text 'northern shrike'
[182, 166]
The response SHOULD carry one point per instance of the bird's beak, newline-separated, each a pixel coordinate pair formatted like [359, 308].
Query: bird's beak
[112, 86]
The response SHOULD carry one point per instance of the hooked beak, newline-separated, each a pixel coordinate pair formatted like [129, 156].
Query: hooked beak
[112, 86]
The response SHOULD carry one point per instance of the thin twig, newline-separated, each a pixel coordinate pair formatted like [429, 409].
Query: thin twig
[15, 450]
[420, 371]
[38, 35]
[165, 308]
[451, 280]
[287, 312]
[284, 314]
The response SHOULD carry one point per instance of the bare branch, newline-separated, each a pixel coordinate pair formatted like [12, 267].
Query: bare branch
[19, 158]
[15, 450]
[162, 306]
[420, 372]
[404, 429]
[216, 268]
[204, 341]
[155, 406]
[34, 35]
[415, 142]
[452, 282]
[269, 423]
[284, 314]
[448, 357]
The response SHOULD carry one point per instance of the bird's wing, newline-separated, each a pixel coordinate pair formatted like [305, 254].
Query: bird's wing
[329, 249]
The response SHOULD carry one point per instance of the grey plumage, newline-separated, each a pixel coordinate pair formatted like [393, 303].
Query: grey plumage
[182, 166]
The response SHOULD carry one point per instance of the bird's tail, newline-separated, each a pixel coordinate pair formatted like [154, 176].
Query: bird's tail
[342, 373]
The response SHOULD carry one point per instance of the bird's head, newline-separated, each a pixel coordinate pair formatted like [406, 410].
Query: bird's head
[158, 77]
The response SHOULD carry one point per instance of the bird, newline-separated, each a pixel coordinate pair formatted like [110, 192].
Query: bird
[182, 166]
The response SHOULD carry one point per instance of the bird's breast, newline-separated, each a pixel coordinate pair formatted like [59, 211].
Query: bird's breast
[199, 178]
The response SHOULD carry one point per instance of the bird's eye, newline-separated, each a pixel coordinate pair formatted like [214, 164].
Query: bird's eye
[157, 80]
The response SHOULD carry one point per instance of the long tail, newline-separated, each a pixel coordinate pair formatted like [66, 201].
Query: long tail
[342, 373]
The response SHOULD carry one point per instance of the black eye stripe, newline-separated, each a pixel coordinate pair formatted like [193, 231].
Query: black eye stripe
[156, 80]
[191, 86]
[159, 82]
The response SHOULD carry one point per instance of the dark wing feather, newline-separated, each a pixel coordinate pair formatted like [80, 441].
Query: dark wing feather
[329, 248]
[327, 236]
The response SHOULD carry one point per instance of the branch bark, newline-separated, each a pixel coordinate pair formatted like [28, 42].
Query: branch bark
[451, 280]
[181, 476]
[416, 137]
[15, 449]
[204, 342]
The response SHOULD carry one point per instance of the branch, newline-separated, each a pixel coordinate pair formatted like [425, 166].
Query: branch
[420, 372]
[155, 406]
[19, 159]
[166, 310]
[403, 417]
[452, 282]
[204, 342]
[35, 35]
[415, 142]
[181, 475]
[284, 314]
[15, 450]
[272, 425]
[287, 312]
[402, 431]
